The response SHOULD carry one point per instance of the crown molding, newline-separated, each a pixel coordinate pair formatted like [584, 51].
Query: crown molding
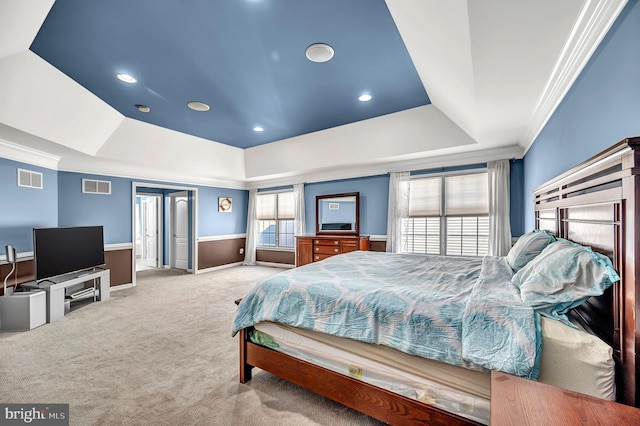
[594, 21]
[426, 163]
[26, 155]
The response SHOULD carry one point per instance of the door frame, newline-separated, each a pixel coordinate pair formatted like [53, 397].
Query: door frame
[194, 222]
[173, 225]
[159, 233]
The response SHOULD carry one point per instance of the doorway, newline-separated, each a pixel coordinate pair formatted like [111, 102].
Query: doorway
[179, 221]
[164, 227]
[148, 226]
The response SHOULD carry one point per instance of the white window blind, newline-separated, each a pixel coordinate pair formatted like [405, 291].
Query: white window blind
[467, 194]
[286, 206]
[425, 196]
[448, 214]
[266, 206]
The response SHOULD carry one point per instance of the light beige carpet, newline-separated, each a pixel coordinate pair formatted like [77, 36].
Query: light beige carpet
[160, 353]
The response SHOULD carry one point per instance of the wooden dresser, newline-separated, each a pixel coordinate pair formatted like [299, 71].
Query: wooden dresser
[313, 248]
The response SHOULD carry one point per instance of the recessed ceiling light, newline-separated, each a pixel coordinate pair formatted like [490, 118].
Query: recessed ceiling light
[364, 98]
[319, 52]
[198, 106]
[127, 78]
[258, 129]
[143, 108]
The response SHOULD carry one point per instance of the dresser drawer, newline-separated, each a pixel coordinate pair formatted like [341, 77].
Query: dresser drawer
[327, 249]
[319, 242]
[319, 257]
[348, 246]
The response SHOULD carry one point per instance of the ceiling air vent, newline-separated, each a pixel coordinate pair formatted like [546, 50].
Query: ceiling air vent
[91, 186]
[29, 179]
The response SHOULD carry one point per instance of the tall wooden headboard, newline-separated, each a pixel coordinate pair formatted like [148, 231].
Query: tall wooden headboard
[597, 204]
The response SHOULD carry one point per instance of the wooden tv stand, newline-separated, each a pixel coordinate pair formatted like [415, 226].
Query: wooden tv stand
[56, 289]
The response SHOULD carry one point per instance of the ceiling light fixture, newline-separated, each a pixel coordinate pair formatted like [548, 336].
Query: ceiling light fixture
[319, 52]
[364, 98]
[143, 108]
[127, 78]
[198, 106]
[258, 129]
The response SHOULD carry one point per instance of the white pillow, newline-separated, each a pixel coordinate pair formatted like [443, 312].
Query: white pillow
[562, 277]
[528, 247]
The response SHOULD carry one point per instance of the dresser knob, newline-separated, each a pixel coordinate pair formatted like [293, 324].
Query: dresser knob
[336, 250]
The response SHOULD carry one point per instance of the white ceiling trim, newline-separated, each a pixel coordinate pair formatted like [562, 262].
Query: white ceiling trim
[434, 162]
[593, 23]
[26, 155]
[39, 99]
[20, 21]
[94, 166]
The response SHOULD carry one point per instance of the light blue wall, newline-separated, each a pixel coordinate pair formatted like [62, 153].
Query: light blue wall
[22, 208]
[112, 211]
[374, 198]
[374, 201]
[517, 198]
[213, 223]
[602, 108]
[62, 203]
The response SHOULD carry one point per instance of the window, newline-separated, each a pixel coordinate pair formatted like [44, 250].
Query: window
[448, 214]
[275, 214]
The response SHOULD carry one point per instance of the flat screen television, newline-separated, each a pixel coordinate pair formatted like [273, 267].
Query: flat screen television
[58, 251]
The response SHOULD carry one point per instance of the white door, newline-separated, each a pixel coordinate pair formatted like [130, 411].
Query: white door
[180, 234]
[150, 231]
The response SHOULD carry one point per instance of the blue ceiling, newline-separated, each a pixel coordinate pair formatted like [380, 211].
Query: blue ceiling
[244, 58]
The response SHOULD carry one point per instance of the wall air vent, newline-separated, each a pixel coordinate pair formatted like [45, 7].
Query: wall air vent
[90, 186]
[29, 179]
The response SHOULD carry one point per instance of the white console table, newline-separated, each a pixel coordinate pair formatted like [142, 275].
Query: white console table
[56, 290]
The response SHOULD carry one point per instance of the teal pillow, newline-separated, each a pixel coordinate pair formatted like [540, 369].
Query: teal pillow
[562, 277]
[527, 247]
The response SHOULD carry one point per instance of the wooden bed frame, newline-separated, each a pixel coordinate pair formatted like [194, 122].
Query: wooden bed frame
[594, 204]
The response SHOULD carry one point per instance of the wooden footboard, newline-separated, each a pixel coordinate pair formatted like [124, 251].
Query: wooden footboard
[368, 399]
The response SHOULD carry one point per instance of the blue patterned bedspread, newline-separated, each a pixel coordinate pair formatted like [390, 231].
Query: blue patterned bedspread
[459, 310]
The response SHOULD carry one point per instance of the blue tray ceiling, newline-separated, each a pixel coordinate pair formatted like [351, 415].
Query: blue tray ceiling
[244, 58]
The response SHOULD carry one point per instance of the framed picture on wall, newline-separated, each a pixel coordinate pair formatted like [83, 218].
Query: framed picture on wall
[224, 204]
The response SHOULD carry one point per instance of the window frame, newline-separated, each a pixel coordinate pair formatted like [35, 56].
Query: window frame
[277, 223]
[443, 217]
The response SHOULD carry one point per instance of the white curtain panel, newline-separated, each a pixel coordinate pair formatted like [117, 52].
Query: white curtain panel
[252, 226]
[499, 223]
[300, 218]
[398, 209]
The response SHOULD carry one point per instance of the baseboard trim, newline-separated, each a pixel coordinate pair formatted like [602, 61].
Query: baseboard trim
[276, 265]
[121, 287]
[216, 268]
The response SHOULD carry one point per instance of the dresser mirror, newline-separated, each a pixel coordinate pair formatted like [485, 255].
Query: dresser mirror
[338, 214]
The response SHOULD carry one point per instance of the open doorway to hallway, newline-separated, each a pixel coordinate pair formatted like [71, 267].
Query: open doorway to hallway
[149, 247]
[164, 228]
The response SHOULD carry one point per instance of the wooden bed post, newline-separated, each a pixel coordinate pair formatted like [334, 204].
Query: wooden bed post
[630, 291]
[245, 369]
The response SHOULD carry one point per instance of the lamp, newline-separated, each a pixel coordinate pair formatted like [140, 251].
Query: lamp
[10, 253]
